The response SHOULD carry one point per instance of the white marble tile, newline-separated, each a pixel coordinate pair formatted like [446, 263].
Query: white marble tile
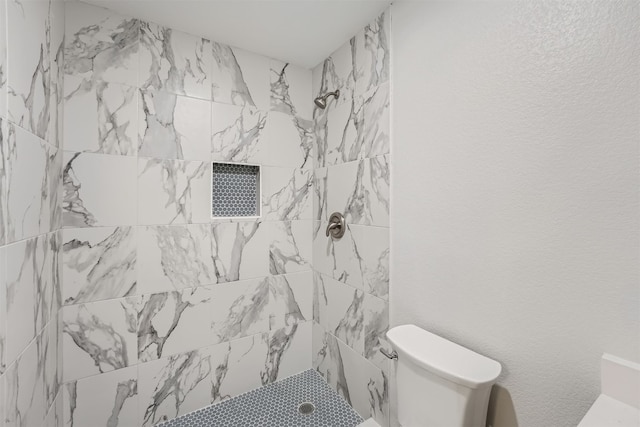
[290, 247]
[173, 386]
[29, 67]
[242, 250]
[98, 263]
[3, 313]
[98, 190]
[99, 337]
[175, 257]
[56, 99]
[174, 61]
[286, 193]
[320, 194]
[4, 179]
[290, 299]
[338, 74]
[376, 325]
[173, 191]
[99, 45]
[376, 129]
[3, 403]
[291, 89]
[340, 310]
[342, 181]
[289, 141]
[101, 118]
[240, 77]
[238, 366]
[239, 309]
[109, 399]
[344, 134]
[51, 357]
[3, 60]
[26, 384]
[31, 183]
[372, 46]
[54, 416]
[372, 253]
[237, 133]
[175, 322]
[174, 127]
[289, 351]
[31, 296]
[323, 259]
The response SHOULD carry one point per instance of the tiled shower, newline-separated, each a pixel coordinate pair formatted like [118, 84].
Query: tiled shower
[122, 302]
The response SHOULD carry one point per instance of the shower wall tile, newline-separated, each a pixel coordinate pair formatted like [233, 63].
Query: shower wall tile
[99, 337]
[376, 325]
[290, 351]
[3, 62]
[376, 128]
[98, 263]
[98, 190]
[3, 402]
[56, 98]
[290, 299]
[289, 140]
[243, 250]
[290, 90]
[99, 46]
[290, 247]
[173, 191]
[3, 313]
[101, 118]
[320, 194]
[32, 294]
[175, 322]
[286, 193]
[173, 126]
[31, 180]
[29, 67]
[337, 74]
[237, 133]
[4, 179]
[110, 399]
[240, 77]
[372, 47]
[174, 61]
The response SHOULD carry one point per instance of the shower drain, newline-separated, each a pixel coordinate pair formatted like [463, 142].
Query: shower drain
[306, 408]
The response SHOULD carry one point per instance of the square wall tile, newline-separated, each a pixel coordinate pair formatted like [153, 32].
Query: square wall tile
[286, 194]
[237, 133]
[291, 89]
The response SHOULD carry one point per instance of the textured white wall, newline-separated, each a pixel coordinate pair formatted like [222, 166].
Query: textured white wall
[515, 190]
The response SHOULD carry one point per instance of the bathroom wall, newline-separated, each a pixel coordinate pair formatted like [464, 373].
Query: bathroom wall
[515, 191]
[31, 39]
[351, 176]
[165, 310]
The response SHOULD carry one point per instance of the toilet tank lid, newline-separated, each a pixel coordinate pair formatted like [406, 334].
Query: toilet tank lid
[443, 357]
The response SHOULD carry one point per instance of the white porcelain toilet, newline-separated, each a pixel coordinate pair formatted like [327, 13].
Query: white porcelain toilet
[440, 383]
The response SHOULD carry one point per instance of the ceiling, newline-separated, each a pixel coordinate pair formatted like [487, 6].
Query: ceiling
[302, 32]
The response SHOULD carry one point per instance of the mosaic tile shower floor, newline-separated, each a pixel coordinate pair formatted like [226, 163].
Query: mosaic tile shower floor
[276, 405]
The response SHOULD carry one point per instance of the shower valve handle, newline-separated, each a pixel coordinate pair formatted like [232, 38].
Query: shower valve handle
[336, 227]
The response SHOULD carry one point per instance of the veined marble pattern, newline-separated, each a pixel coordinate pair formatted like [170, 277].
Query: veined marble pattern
[173, 191]
[99, 46]
[338, 73]
[320, 194]
[32, 293]
[98, 263]
[31, 182]
[174, 61]
[110, 399]
[29, 77]
[340, 310]
[286, 194]
[290, 299]
[56, 98]
[174, 127]
[240, 77]
[3, 319]
[170, 323]
[99, 337]
[376, 325]
[288, 351]
[290, 86]
[101, 118]
[241, 250]
[31, 381]
[4, 163]
[3, 61]
[372, 48]
[237, 133]
[289, 140]
[363, 385]
[290, 248]
[89, 200]
[376, 127]
[344, 134]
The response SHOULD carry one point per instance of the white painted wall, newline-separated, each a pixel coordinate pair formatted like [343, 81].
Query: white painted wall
[515, 190]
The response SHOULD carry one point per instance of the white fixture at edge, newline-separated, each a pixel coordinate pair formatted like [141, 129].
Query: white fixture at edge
[619, 402]
[440, 383]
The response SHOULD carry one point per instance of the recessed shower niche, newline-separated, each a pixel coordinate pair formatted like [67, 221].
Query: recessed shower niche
[235, 190]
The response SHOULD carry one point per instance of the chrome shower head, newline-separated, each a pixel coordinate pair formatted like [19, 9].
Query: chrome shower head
[321, 101]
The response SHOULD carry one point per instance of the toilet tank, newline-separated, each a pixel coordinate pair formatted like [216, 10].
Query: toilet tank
[440, 383]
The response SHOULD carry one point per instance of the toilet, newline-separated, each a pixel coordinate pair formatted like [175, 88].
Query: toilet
[440, 383]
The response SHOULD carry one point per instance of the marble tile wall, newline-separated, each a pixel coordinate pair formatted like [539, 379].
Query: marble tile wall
[31, 42]
[164, 310]
[351, 175]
